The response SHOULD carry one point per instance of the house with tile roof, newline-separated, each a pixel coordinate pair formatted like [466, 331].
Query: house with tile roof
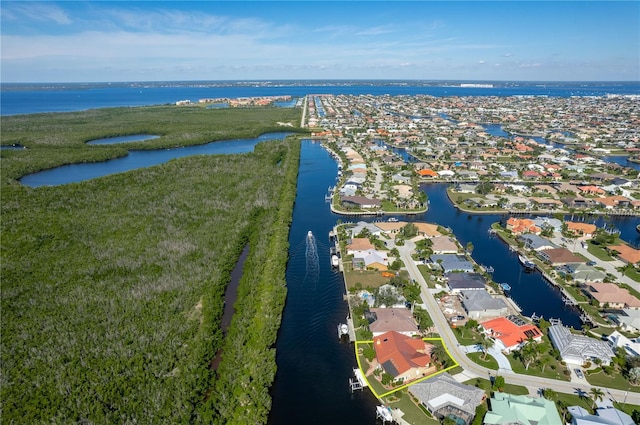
[628, 320]
[481, 305]
[359, 244]
[582, 230]
[444, 245]
[626, 253]
[612, 295]
[370, 258]
[509, 335]
[522, 225]
[402, 357]
[399, 320]
[452, 262]
[509, 409]
[579, 349]
[444, 397]
[560, 257]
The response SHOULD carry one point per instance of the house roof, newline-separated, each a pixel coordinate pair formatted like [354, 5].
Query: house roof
[509, 333]
[578, 347]
[442, 244]
[428, 229]
[561, 256]
[360, 244]
[393, 319]
[481, 301]
[626, 253]
[519, 409]
[398, 353]
[465, 281]
[612, 293]
[442, 390]
[582, 228]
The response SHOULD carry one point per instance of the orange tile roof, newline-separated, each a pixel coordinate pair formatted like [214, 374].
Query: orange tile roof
[625, 252]
[360, 244]
[509, 333]
[402, 351]
[428, 173]
[582, 228]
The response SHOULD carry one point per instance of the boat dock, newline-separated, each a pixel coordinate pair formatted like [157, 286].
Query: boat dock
[357, 382]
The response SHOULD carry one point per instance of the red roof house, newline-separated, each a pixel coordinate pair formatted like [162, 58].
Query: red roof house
[403, 357]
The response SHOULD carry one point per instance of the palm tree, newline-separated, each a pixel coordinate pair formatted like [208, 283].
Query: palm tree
[596, 394]
[485, 344]
[439, 354]
[549, 394]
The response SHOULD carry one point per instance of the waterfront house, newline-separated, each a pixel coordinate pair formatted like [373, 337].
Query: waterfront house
[444, 397]
[359, 244]
[579, 349]
[402, 357]
[546, 222]
[611, 295]
[509, 409]
[362, 226]
[519, 226]
[399, 320]
[444, 245]
[370, 259]
[480, 304]
[535, 242]
[583, 273]
[581, 230]
[511, 332]
[560, 257]
[605, 414]
[360, 202]
[465, 281]
[452, 262]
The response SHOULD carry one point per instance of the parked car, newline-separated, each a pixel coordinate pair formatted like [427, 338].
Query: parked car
[579, 374]
[591, 263]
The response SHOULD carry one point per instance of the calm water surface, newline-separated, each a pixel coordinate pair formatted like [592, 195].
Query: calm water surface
[74, 173]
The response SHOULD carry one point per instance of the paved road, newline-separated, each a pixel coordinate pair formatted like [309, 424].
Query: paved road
[533, 383]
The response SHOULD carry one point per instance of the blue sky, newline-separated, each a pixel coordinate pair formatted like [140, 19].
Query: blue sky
[268, 40]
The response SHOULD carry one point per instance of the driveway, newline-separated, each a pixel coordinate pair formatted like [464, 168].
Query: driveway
[503, 363]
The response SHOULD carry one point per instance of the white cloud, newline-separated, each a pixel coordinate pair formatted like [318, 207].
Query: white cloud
[40, 12]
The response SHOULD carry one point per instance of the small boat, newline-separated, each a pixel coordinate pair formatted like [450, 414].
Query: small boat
[309, 234]
[526, 263]
[505, 286]
[343, 329]
[392, 219]
[638, 228]
[335, 261]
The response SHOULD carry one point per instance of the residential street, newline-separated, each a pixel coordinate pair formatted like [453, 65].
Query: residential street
[533, 383]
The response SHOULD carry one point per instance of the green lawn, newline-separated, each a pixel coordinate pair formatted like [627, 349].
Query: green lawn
[412, 413]
[633, 274]
[485, 384]
[599, 251]
[553, 369]
[489, 363]
[615, 380]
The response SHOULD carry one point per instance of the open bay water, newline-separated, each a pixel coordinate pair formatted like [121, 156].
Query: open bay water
[65, 97]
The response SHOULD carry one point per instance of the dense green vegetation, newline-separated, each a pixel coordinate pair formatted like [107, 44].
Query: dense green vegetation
[112, 289]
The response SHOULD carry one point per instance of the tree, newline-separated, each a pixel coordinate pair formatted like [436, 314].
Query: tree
[485, 343]
[596, 394]
[550, 394]
[469, 247]
[439, 354]
[634, 375]
[498, 382]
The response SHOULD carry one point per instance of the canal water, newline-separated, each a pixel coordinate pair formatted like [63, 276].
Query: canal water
[311, 385]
